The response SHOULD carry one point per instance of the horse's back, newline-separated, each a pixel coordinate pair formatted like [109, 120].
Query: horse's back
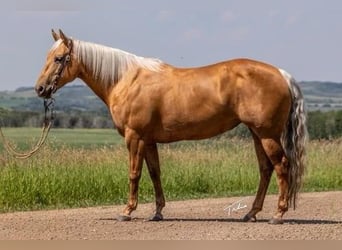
[253, 91]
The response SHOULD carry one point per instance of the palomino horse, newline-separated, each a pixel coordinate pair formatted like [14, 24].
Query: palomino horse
[152, 102]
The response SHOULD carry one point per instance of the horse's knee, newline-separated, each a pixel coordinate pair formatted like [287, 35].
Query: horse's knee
[134, 177]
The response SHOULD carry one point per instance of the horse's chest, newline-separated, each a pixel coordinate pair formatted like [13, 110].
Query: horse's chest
[118, 118]
[126, 116]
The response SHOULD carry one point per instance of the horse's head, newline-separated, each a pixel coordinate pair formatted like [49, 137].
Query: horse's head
[60, 67]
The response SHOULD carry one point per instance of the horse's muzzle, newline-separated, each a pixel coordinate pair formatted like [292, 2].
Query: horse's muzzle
[45, 90]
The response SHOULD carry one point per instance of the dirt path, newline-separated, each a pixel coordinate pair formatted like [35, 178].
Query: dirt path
[318, 216]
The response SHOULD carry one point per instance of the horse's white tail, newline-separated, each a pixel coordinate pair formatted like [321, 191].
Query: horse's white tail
[294, 138]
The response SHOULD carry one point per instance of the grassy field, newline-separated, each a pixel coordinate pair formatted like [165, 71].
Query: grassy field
[72, 138]
[78, 168]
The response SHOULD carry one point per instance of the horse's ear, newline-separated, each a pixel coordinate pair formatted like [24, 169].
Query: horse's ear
[55, 35]
[64, 38]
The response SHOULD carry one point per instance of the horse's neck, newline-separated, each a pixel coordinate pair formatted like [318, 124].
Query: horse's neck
[100, 89]
[102, 68]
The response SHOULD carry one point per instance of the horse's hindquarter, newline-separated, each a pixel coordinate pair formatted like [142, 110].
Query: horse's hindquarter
[196, 103]
[262, 95]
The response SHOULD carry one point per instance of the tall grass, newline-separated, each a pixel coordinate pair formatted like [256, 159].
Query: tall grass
[66, 175]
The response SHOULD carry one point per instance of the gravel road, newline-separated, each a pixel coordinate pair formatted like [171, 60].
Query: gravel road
[318, 216]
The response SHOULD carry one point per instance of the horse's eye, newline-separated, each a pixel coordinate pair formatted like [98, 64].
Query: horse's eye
[58, 59]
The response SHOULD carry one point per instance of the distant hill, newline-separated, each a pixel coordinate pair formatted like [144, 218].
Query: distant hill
[322, 95]
[68, 98]
[318, 96]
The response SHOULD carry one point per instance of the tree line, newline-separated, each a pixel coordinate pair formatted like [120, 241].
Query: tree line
[321, 125]
[72, 119]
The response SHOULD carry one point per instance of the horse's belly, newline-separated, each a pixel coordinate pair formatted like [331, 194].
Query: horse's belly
[195, 130]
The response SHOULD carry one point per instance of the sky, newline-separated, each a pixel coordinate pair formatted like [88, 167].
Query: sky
[304, 37]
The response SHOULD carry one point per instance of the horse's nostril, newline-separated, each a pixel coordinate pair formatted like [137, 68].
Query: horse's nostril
[40, 90]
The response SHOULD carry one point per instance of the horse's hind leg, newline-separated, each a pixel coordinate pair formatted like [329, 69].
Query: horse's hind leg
[266, 169]
[152, 161]
[277, 157]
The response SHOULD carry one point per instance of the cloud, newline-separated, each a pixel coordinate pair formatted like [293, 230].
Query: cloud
[60, 5]
[227, 16]
[292, 19]
[192, 34]
[240, 33]
[273, 13]
[165, 15]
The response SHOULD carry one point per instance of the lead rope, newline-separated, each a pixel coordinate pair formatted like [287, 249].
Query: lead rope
[49, 105]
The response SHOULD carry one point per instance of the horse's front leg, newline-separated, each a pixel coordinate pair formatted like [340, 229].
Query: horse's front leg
[152, 160]
[136, 149]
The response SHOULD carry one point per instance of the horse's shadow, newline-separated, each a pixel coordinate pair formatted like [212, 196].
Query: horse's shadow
[286, 221]
[233, 220]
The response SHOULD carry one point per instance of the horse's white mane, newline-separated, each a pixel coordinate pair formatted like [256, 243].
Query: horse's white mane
[109, 64]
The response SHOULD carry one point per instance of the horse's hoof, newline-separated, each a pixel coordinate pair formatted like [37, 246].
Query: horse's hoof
[156, 217]
[276, 221]
[124, 218]
[248, 218]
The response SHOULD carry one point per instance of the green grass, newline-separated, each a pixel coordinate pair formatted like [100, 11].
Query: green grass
[24, 138]
[79, 168]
